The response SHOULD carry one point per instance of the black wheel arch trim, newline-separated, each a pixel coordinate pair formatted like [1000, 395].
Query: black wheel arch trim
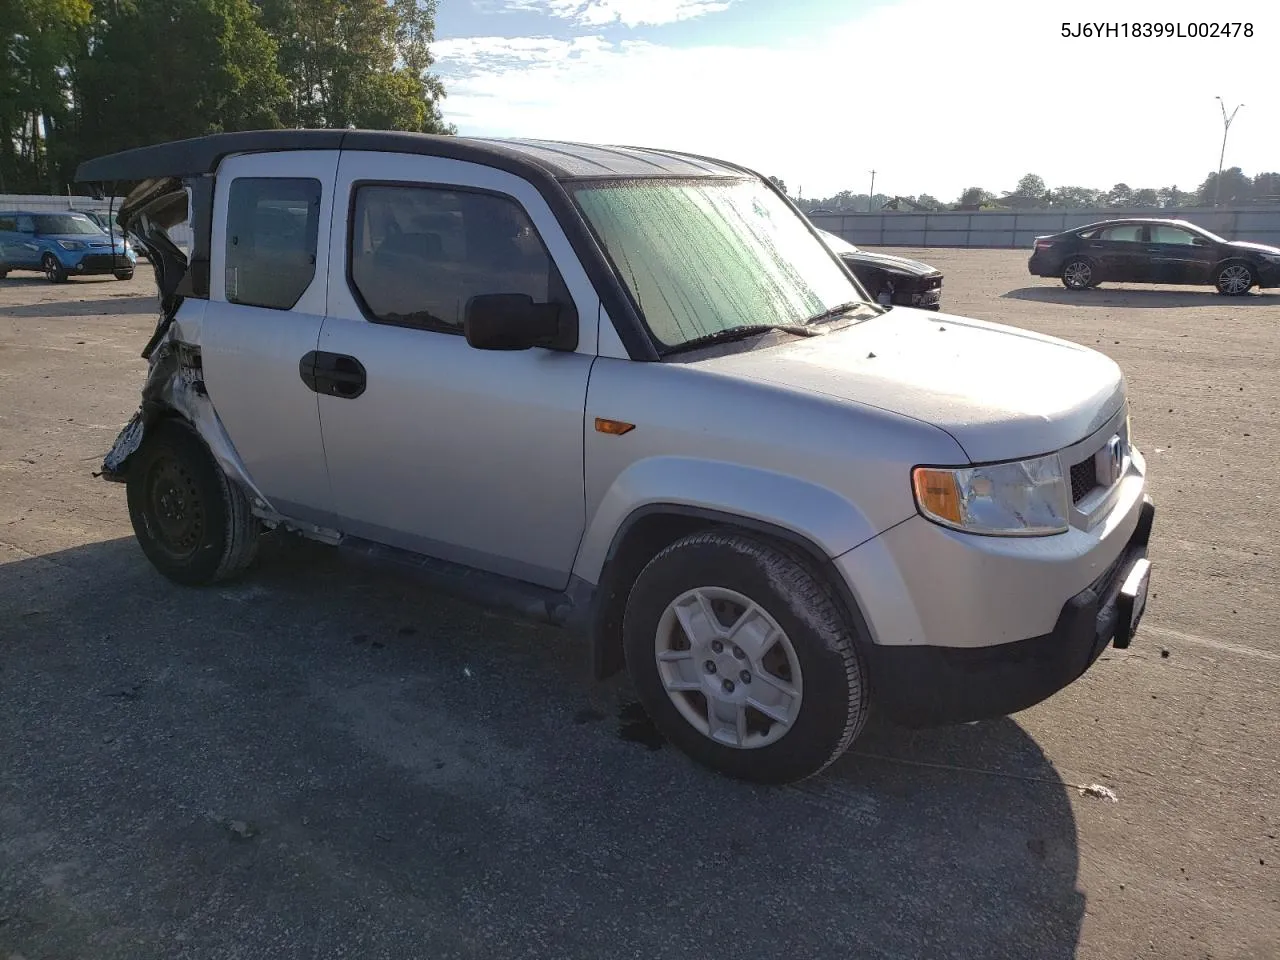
[592, 616]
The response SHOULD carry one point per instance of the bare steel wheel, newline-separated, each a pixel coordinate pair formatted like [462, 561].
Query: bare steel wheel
[743, 657]
[728, 667]
[194, 525]
[1235, 279]
[1078, 274]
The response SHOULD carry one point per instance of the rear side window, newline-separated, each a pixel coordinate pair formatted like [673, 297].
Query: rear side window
[1124, 233]
[8, 223]
[419, 254]
[272, 227]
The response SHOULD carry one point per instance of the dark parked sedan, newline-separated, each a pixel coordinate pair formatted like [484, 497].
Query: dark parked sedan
[1154, 251]
[890, 279]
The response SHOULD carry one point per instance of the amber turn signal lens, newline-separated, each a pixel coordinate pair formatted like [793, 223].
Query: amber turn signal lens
[614, 428]
[937, 493]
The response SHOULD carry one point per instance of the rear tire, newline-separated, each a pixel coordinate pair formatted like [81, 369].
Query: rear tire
[194, 525]
[743, 659]
[1079, 273]
[1235, 279]
[53, 269]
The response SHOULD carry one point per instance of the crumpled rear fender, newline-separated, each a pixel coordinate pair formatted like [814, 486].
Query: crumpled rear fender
[175, 387]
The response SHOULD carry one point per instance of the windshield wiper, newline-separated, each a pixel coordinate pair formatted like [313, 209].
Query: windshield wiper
[840, 309]
[741, 333]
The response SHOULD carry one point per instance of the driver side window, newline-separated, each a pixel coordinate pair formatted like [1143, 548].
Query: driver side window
[1162, 233]
[419, 254]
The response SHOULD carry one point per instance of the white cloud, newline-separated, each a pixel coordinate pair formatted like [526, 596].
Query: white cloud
[935, 95]
[629, 13]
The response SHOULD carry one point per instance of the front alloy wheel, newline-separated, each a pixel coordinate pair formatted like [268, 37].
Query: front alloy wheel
[1234, 279]
[728, 667]
[743, 657]
[54, 272]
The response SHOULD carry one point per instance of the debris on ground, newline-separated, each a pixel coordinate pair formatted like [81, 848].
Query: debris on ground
[1098, 791]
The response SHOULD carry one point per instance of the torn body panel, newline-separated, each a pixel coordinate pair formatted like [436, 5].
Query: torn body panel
[175, 385]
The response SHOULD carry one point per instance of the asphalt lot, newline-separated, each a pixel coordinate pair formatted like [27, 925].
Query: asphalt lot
[323, 760]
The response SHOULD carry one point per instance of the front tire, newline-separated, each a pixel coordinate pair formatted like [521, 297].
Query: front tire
[1235, 279]
[124, 274]
[1079, 273]
[193, 524]
[743, 659]
[53, 269]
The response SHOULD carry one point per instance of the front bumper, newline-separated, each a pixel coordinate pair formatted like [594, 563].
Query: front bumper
[930, 685]
[92, 263]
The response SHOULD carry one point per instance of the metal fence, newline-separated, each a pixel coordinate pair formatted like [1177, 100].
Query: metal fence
[1018, 229]
[181, 234]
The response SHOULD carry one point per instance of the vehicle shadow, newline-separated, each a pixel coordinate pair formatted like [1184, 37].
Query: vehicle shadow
[368, 766]
[1131, 296]
[71, 306]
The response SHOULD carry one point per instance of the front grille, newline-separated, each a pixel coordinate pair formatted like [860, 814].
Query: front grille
[1084, 480]
[105, 262]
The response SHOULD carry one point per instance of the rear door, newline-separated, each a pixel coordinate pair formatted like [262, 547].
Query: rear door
[472, 456]
[269, 259]
[1179, 255]
[1121, 251]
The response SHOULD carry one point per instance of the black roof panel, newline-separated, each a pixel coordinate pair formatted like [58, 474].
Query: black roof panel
[201, 155]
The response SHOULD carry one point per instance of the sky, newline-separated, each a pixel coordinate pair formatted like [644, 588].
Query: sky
[935, 95]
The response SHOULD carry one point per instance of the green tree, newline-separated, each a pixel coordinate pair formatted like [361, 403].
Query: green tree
[1235, 188]
[358, 63]
[1173, 197]
[1074, 197]
[780, 184]
[1266, 185]
[168, 69]
[1121, 195]
[38, 43]
[1146, 198]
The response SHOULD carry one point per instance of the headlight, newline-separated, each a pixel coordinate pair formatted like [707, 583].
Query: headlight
[1025, 498]
[1271, 257]
[71, 244]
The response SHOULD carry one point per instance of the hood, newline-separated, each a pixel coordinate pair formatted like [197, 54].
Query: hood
[1255, 247]
[887, 261]
[1001, 392]
[87, 239]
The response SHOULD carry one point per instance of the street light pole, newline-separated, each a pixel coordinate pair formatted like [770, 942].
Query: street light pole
[1226, 126]
[871, 197]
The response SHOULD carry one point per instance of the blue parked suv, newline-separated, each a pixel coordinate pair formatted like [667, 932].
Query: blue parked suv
[61, 244]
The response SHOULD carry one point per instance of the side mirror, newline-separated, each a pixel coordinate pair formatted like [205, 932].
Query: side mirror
[512, 321]
[1199, 242]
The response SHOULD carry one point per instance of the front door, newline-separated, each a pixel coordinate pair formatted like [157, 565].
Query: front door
[22, 249]
[1180, 256]
[472, 456]
[269, 263]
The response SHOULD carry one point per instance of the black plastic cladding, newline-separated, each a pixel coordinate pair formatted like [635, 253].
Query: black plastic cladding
[195, 159]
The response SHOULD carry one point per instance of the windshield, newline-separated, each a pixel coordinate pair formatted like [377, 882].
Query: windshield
[59, 224]
[704, 256]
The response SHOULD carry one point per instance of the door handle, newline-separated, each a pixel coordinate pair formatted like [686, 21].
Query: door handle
[333, 374]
